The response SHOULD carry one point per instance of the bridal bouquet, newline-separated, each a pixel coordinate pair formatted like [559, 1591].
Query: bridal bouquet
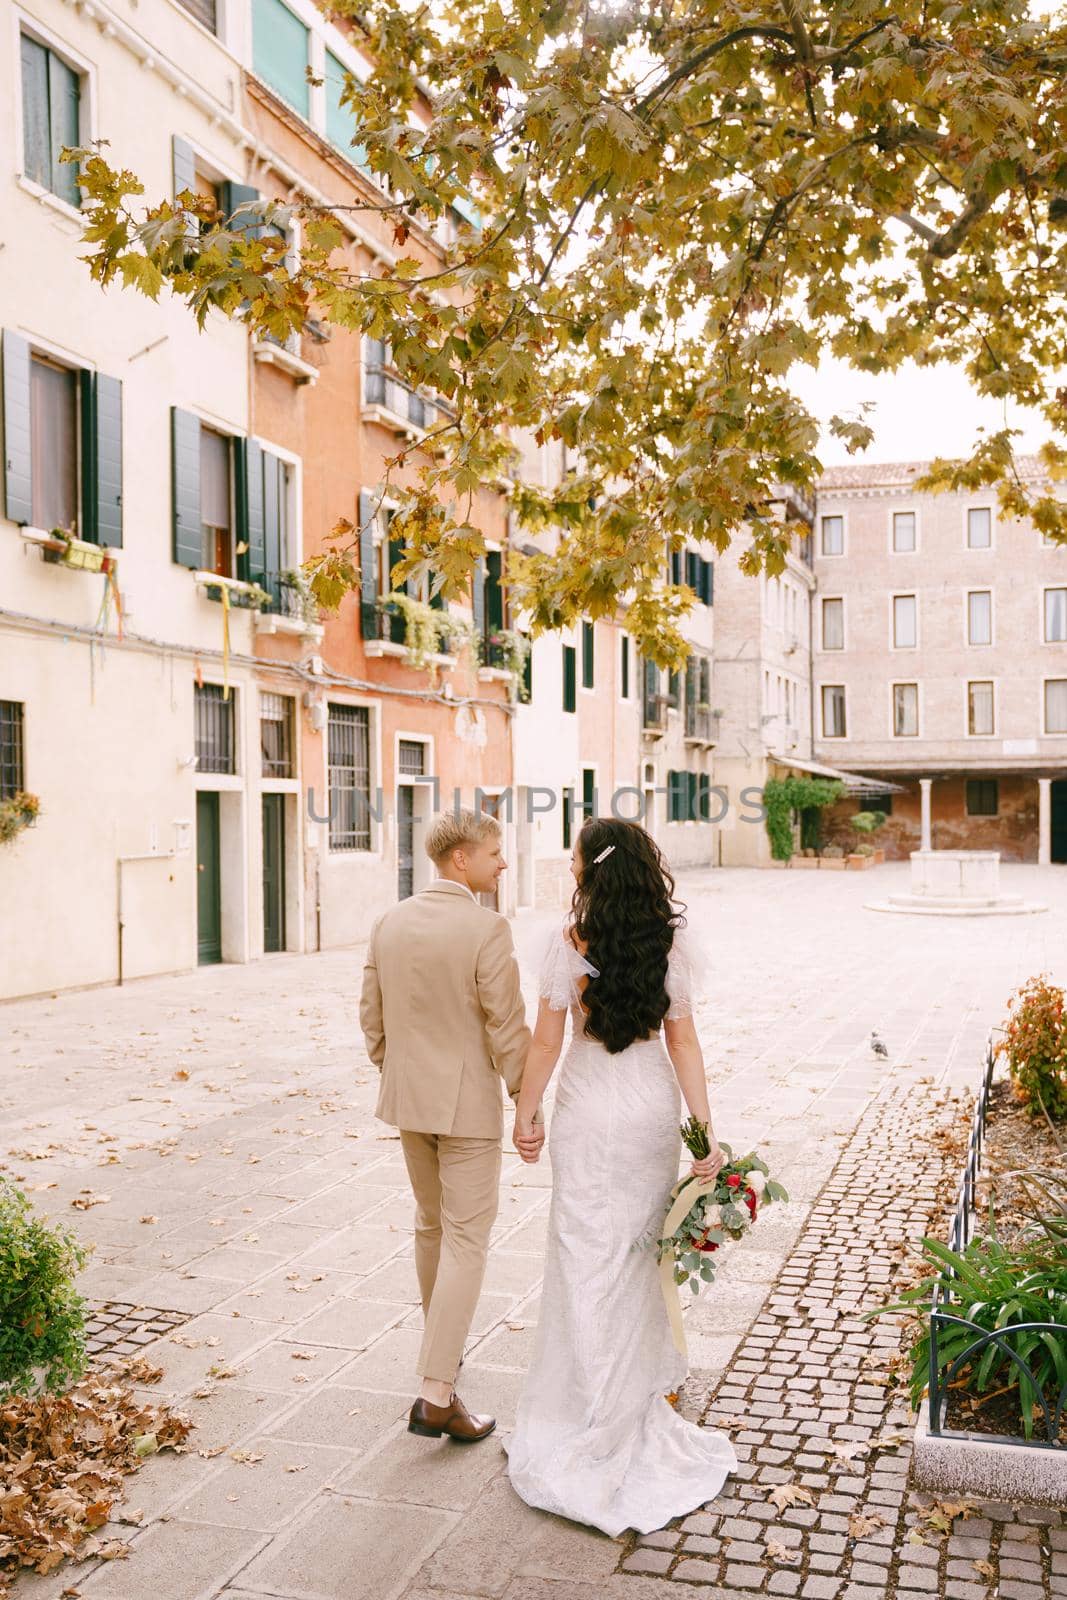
[705, 1213]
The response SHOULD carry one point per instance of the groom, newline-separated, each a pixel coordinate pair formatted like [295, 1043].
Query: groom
[444, 1021]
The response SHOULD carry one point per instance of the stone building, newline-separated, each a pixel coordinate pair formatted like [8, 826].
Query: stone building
[940, 663]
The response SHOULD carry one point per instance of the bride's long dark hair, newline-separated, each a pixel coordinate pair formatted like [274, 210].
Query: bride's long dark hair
[624, 910]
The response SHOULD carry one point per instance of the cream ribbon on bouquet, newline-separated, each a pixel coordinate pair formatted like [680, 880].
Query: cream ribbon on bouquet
[683, 1197]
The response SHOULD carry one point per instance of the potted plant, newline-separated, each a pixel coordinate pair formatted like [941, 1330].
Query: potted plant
[866, 823]
[508, 650]
[18, 811]
[42, 1317]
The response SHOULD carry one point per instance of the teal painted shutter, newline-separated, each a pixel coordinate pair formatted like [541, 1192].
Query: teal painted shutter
[36, 141]
[87, 407]
[185, 487]
[691, 788]
[183, 165]
[692, 570]
[368, 573]
[341, 119]
[249, 473]
[692, 671]
[704, 796]
[625, 667]
[588, 666]
[494, 591]
[527, 672]
[107, 460]
[280, 51]
[266, 557]
[569, 687]
[240, 194]
[64, 94]
[705, 680]
[18, 439]
[478, 596]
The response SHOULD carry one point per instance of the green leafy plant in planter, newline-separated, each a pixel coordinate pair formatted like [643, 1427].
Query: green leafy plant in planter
[867, 823]
[993, 1286]
[18, 811]
[305, 602]
[42, 1317]
[783, 796]
[510, 650]
[1035, 1045]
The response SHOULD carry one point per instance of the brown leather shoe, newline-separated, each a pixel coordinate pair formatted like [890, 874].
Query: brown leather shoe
[454, 1419]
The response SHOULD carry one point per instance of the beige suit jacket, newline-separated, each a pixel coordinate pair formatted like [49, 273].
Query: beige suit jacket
[443, 1014]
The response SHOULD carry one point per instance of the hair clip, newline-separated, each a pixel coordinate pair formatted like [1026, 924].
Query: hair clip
[605, 852]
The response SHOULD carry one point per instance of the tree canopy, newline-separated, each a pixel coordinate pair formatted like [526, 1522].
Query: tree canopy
[679, 201]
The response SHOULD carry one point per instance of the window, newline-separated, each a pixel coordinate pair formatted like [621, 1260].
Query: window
[905, 711]
[588, 670]
[276, 734]
[905, 622]
[51, 98]
[341, 119]
[903, 530]
[589, 795]
[983, 797]
[698, 575]
[625, 668]
[979, 528]
[11, 770]
[569, 690]
[1056, 705]
[876, 802]
[54, 432]
[348, 740]
[980, 617]
[1055, 616]
[833, 711]
[204, 11]
[980, 708]
[215, 743]
[280, 52]
[833, 536]
[833, 624]
[568, 818]
[216, 504]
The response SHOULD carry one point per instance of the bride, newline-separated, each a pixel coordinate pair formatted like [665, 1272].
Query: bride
[595, 1438]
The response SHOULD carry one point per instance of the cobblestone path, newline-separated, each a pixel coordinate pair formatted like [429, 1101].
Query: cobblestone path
[815, 1405]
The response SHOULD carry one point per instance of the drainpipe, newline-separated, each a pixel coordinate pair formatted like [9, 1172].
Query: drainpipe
[120, 862]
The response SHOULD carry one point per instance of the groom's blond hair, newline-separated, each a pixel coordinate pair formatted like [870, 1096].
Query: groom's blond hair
[450, 829]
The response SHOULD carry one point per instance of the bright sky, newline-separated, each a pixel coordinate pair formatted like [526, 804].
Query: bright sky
[918, 413]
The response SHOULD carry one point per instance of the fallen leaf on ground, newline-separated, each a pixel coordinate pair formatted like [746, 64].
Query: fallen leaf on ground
[246, 1458]
[860, 1524]
[790, 1494]
[984, 1569]
[782, 1552]
[87, 1199]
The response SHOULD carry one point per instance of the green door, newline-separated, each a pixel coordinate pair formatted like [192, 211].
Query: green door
[274, 872]
[1059, 819]
[208, 879]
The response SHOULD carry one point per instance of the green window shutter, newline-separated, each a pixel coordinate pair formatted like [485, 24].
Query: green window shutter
[494, 591]
[341, 122]
[676, 566]
[185, 481]
[18, 437]
[569, 687]
[280, 52]
[704, 797]
[36, 138]
[527, 673]
[709, 584]
[692, 570]
[672, 796]
[250, 488]
[183, 165]
[705, 679]
[240, 194]
[368, 596]
[691, 789]
[64, 96]
[692, 673]
[267, 559]
[107, 460]
[588, 667]
[625, 666]
[478, 596]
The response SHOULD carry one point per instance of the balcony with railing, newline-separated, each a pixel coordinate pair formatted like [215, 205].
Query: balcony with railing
[388, 399]
[702, 724]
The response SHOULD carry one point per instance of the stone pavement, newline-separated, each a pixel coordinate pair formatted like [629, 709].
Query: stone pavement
[219, 1128]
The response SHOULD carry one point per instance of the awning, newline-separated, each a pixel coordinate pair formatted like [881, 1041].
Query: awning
[854, 782]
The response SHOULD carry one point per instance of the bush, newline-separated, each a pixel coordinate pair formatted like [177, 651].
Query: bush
[782, 797]
[1035, 1044]
[993, 1286]
[42, 1318]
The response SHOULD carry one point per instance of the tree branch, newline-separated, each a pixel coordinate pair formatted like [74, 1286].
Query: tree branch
[686, 68]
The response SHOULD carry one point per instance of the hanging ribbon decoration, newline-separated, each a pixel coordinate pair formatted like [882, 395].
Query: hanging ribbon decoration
[683, 1197]
[225, 641]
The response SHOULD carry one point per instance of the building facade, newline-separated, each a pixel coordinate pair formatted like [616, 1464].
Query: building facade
[940, 663]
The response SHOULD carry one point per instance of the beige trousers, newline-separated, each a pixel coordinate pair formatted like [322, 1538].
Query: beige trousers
[456, 1183]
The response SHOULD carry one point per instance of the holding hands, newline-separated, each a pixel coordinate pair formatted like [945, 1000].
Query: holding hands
[528, 1137]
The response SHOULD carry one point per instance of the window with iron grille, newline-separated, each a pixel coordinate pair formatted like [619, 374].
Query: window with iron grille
[411, 758]
[11, 774]
[276, 734]
[983, 797]
[349, 777]
[215, 743]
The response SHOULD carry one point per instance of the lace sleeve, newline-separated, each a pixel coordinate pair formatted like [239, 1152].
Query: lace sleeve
[561, 967]
[685, 974]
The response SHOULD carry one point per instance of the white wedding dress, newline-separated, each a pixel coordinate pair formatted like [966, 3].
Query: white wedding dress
[595, 1438]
